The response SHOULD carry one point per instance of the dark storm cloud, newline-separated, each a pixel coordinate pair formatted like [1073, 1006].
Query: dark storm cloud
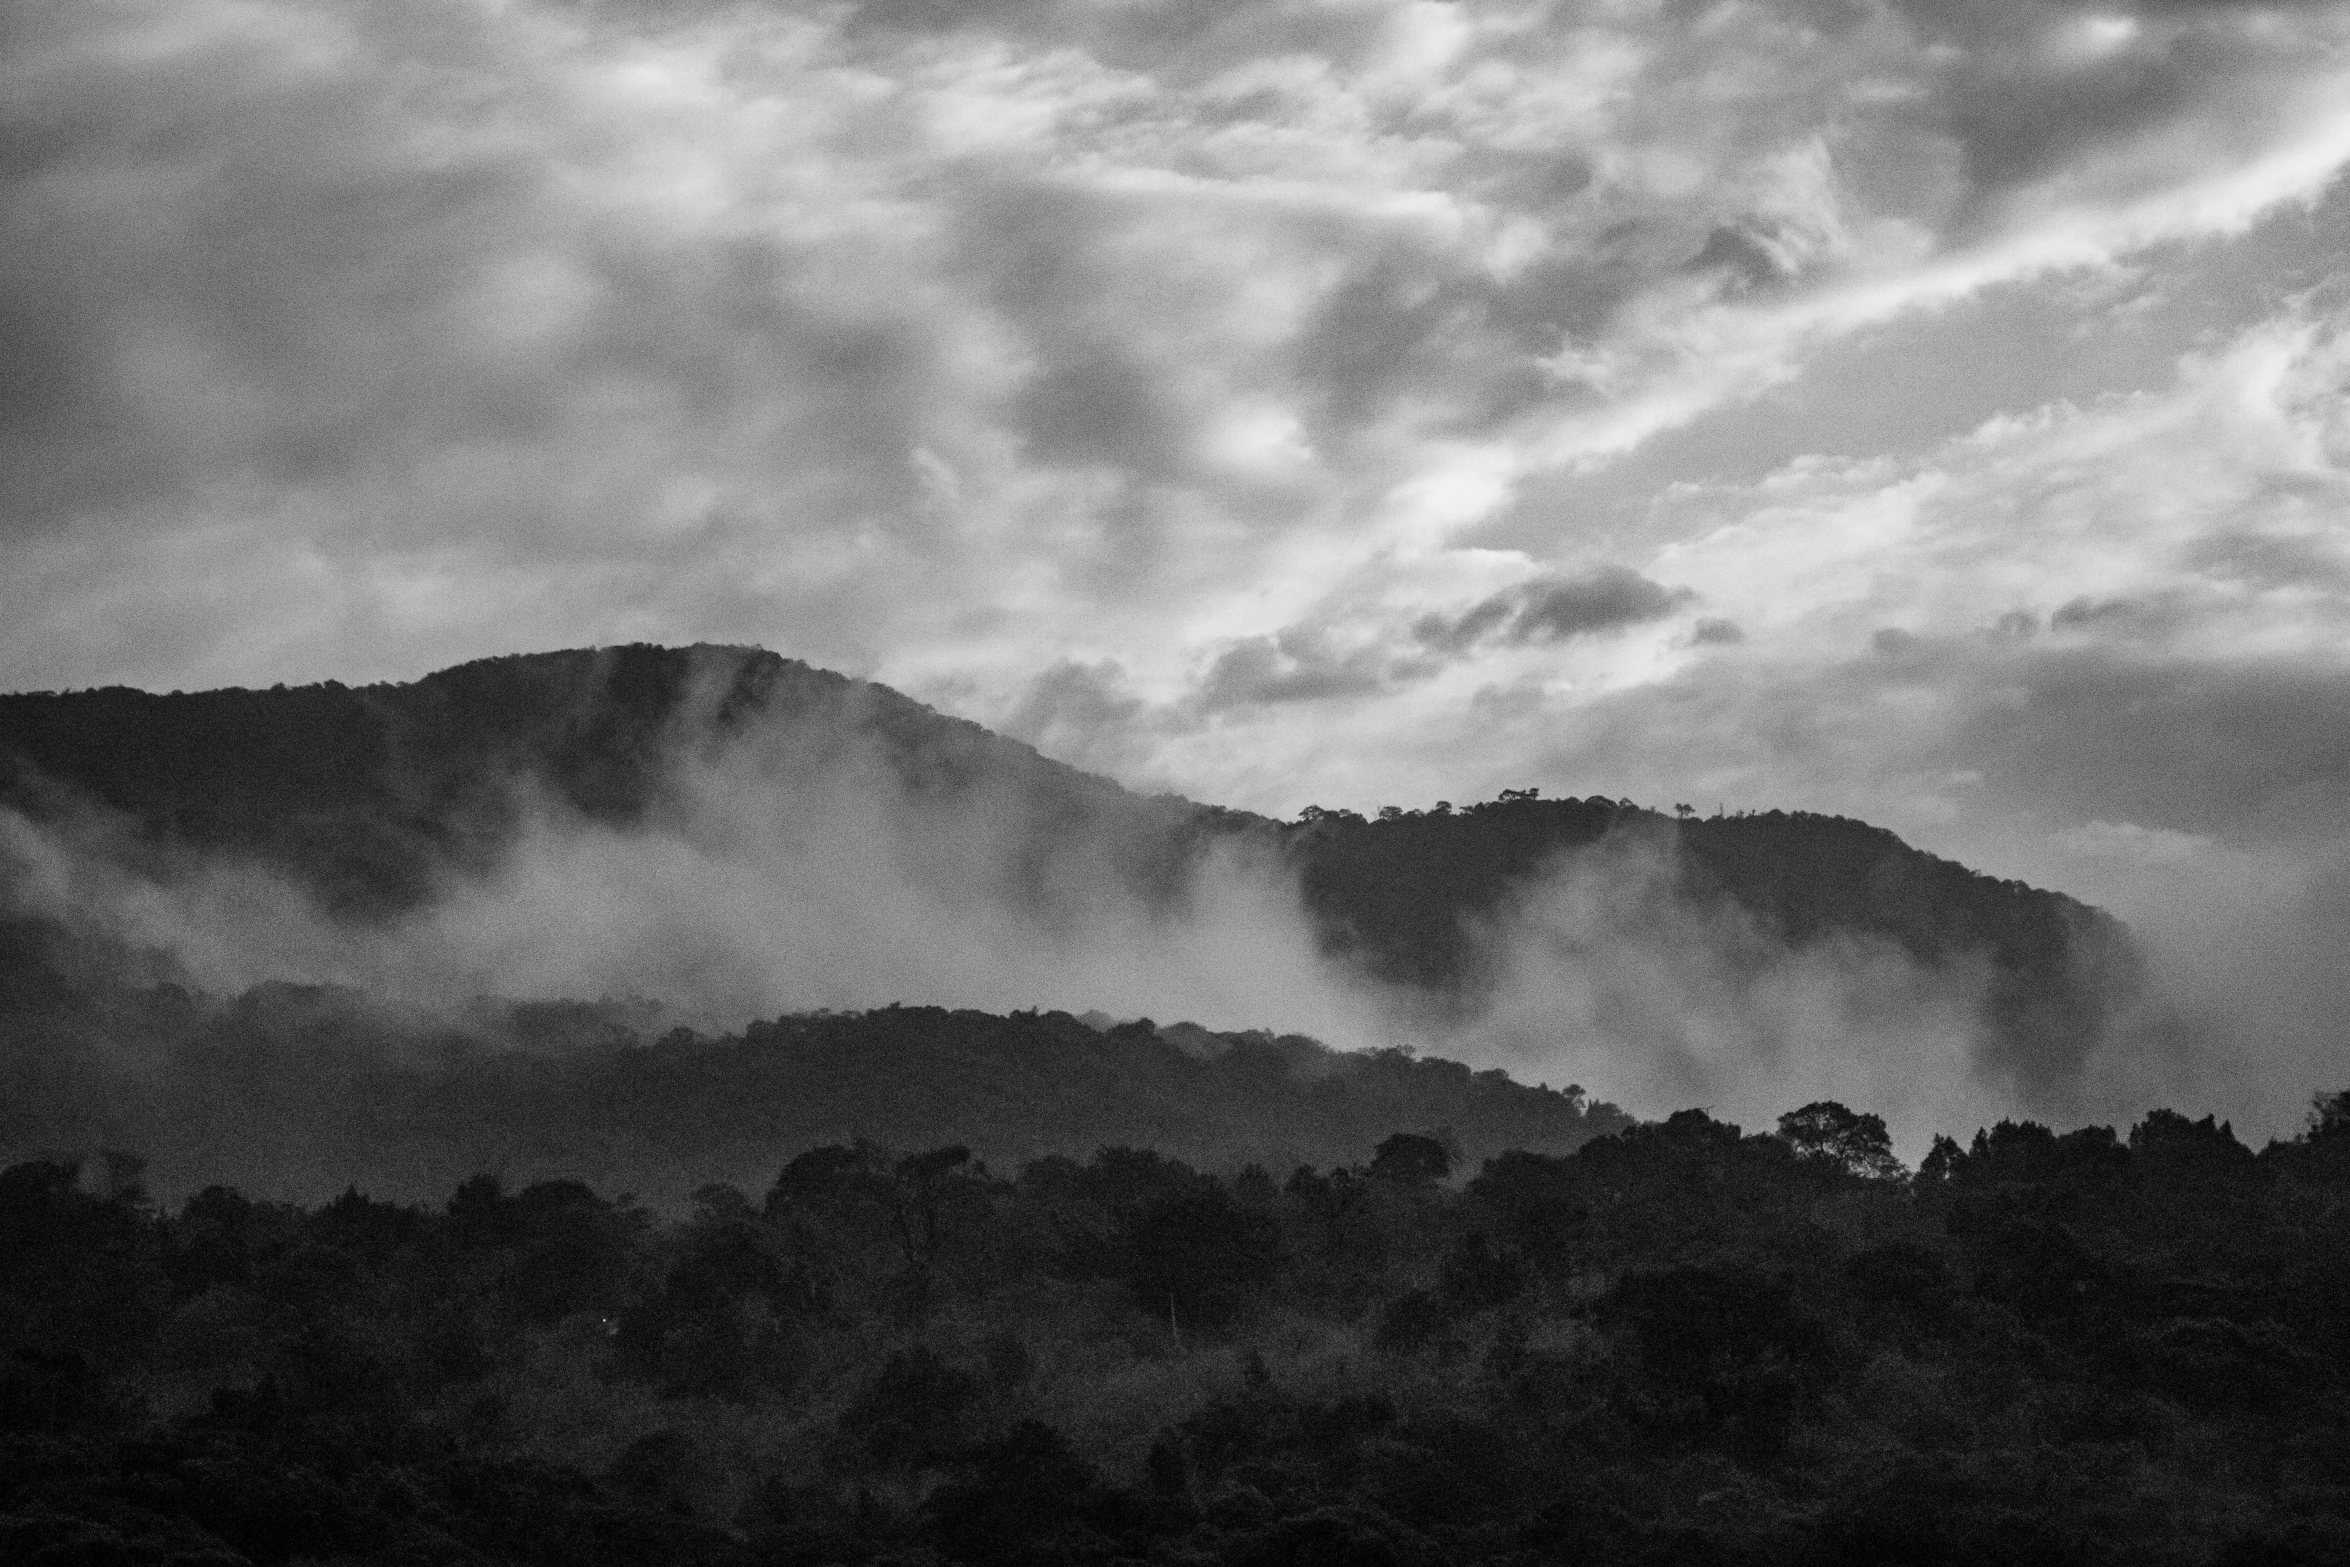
[1553, 609]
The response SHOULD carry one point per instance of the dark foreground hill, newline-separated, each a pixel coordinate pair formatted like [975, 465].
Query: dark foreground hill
[377, 798]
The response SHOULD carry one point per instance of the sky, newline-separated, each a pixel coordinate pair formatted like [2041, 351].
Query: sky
[1931, 411]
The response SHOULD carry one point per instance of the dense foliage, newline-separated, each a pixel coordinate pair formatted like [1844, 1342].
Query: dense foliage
[1679, 1343]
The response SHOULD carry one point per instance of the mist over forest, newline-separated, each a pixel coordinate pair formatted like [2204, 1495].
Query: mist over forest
[710, 837]
[656, 1106]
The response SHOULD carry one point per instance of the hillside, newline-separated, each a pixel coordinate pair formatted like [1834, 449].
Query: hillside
[379, 799]
[370, 794]
[296, 1091]
[1405, 894]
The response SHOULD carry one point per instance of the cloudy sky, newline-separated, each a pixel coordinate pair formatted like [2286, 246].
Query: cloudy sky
[1927, 410]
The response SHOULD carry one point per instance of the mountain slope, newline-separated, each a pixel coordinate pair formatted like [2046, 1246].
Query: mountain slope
[1408, 894]
[368, 795]
[380, 798]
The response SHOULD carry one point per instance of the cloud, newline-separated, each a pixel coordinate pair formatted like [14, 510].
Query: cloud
[794, 867]
[1551, 609]
[1297, 666]
[1717, 632]
[346, 342]
[2129, 841]
[1084, 714]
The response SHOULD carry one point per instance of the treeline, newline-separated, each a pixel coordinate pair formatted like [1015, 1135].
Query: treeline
[1679, 1343]
[295, 1091]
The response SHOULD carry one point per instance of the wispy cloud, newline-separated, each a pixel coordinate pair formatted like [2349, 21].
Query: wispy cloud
[926, 340]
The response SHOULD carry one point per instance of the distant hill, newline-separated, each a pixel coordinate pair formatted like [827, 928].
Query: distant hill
[294, 1091]
[375, 797]
[1404, 893]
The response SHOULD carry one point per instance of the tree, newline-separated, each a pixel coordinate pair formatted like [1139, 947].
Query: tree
[921, 1182]
[1201, 1255]
[2329, 1115]
[913, 1410]
[1411, 1160]
[1943, 1161]
[1828, 1132]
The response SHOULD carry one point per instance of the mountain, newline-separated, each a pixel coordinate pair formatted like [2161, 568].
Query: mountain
[372, 795]
[385, 802]
[1407, 894]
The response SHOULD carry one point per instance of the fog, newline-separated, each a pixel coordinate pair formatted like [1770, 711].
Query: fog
[2246, 988]
[1611, 978]
[804, 867]
[774, 877]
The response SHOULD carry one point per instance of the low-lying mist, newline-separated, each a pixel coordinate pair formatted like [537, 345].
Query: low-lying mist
[783, 872]
[1609, 975]
[770, 878]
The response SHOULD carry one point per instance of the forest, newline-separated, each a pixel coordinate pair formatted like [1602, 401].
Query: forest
[1681, 1342]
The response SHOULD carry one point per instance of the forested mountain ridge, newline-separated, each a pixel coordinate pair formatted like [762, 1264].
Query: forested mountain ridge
[372, 796]
[1406, 893]
[369, 794]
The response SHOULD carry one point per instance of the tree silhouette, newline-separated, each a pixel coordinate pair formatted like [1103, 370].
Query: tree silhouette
[2329, 1115]
[1829, 1133]
[1411, 1160]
